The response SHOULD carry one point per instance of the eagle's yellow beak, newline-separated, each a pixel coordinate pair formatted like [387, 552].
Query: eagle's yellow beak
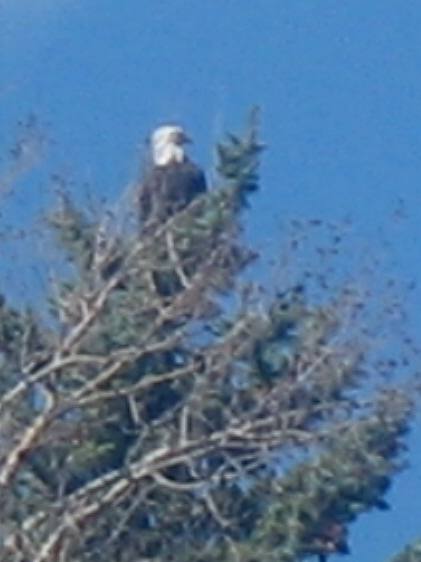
[183, 138]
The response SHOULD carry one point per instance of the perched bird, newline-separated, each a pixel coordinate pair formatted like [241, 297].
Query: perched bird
[173, 180]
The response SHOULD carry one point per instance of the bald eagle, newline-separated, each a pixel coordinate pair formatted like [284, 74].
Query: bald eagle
[173, 180]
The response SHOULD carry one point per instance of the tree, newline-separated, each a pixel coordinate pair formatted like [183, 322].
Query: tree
[170, 410]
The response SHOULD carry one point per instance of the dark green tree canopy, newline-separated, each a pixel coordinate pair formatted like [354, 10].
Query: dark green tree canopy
[170, 410]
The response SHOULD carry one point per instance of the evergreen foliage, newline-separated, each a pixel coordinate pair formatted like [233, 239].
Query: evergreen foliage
[411, 553]
[170, 411]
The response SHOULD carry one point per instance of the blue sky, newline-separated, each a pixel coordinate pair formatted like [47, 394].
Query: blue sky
[339, 84]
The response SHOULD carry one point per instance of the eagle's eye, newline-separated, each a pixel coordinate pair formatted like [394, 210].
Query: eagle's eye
[179, 137]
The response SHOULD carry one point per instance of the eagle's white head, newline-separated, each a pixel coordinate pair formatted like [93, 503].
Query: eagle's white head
[167, 145]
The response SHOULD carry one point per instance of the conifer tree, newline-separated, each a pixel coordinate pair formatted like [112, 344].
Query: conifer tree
[170, 410]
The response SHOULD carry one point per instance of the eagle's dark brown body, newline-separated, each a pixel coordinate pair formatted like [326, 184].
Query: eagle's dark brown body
[169, 189]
